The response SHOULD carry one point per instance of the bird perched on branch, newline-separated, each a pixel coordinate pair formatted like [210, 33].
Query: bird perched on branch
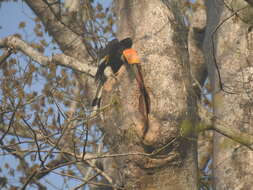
[113, 57]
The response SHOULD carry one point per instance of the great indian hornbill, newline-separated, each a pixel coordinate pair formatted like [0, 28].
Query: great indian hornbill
[114, 56]
[111, 59]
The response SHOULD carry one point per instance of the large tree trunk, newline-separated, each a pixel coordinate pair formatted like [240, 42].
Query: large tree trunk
[160, 38]
[232, 163]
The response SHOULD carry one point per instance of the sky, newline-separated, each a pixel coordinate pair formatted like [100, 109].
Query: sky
[11, 14]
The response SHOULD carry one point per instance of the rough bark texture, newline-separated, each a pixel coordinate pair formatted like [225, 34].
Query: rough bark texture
[196, 36]
[160, 39]
[232, 163]
[67, 37]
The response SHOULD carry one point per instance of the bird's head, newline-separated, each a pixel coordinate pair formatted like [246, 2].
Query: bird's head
[126, 43]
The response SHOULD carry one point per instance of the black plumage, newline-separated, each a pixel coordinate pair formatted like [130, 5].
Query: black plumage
[110, 56]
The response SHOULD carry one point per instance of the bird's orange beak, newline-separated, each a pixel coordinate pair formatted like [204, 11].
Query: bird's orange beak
[131, 56]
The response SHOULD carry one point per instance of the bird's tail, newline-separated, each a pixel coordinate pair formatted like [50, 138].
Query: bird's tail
[144, 99]
[96, 102]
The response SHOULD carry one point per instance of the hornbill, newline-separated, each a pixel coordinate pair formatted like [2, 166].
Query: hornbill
[110, 60]
[114, 56]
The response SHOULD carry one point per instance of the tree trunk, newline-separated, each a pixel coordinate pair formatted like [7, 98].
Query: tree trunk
[170, 160]
[232, 163]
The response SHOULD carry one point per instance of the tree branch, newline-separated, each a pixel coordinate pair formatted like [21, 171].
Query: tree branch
[58, 59]
[5, 55]
[69, 41]
[250, 2]
[213, 123]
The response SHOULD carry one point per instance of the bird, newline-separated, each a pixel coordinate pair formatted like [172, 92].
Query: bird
[113, 57]
[110, 59]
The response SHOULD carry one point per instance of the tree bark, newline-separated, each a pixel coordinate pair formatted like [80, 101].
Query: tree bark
[160, 38]
[69, 38]
[232, 163]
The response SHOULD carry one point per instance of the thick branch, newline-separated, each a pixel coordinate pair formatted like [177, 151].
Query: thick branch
[69, 41]
[250, 2]
[58, 59]
[212, 123]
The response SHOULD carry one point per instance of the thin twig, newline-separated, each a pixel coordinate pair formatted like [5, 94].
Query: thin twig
[29, 180]
[213, 47]
[9, 126]
[5, 56]
[36, 140]
[87, 181]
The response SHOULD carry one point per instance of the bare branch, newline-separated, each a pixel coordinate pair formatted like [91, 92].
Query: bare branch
[58, 59]
[85, 182]
[35, 139]
[5, 55]
[221, 85]
[10, 125]
[30, 178]
[214, 123]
